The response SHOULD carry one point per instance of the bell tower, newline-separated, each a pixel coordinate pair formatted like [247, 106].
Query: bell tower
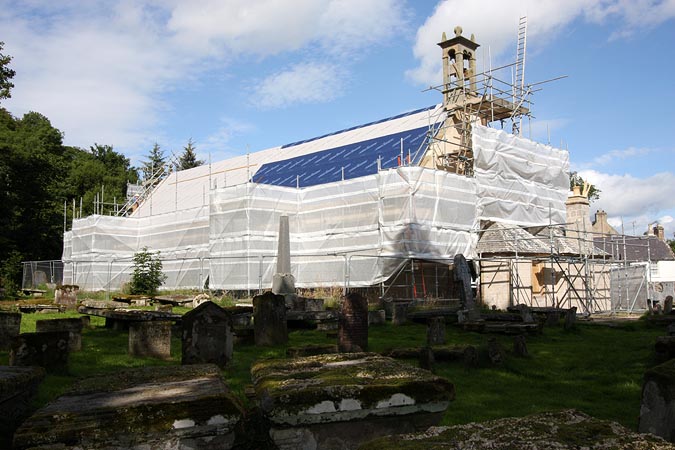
[459, 68]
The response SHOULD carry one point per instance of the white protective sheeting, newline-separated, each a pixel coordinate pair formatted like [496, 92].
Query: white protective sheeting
[210, 224]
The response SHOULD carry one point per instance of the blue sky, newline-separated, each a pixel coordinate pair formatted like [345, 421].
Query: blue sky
[244, 75]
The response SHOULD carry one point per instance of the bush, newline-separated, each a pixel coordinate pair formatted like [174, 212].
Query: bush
[148, 275]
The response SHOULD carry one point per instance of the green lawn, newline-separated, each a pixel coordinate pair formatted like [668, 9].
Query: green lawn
[595, 369]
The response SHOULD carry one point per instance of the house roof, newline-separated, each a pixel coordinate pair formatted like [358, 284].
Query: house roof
[635, 248]
[499, 238]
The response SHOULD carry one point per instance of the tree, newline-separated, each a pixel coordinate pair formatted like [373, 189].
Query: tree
[671, 242]
[148, 275]
[154, 166]
[6, 74]
[576, 180]
[188, 159]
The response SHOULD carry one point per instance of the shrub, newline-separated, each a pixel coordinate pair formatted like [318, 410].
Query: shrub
[148, 275]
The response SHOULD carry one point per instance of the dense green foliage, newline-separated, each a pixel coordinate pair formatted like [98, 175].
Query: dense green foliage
[148, 275]
[188, 159]
[6, 75]
[576, 180]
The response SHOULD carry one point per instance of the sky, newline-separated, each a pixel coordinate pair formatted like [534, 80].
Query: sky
[238, 76]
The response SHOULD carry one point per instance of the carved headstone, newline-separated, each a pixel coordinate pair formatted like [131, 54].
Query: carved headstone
[426, 358]
[436, 331]
[72, 326]
[207, 335]
[520, 346]
[269, 319]
[462, 276]
[400, 313]
[495, 351]
[10, 327]
[470, 357]
[570, 318]
[150, 338]
[376, 317]
[66, 295]
[353, 323]
[525, 313]
[48, 350]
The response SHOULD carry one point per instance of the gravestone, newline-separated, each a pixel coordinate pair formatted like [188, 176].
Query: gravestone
[462, 276]
[353, 323]
[314, 304]
[668, 305]
[10, 327]
[400, 313]
[48, 350]
[495, 351]
[470, 357]
[207, 335]
[164, 308]
[377, 317]
[570, 318]
[269, 319]
[436, 331]
[525, 313]
[657, 408]
[553, 319]
[150, 338]
[86, 321]
[72, 326]
[520, 346]
[66, 295]
[426, 358]
[18, 385]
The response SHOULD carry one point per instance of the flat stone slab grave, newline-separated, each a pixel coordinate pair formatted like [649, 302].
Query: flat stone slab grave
[147, 408]
[18, 385]
[567, 429]
[342, 400]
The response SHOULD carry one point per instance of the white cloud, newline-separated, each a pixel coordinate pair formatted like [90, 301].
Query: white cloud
[495, 25]
[639, 200]
[217, 144]
[302, 83]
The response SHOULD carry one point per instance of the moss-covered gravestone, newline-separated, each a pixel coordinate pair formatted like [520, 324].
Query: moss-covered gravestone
[72, 326]
[657, 410]
[436, 331]
[269, 319]
[48, 350]
[10, 327]
[353, 324]
[151, 338]
[171, 407]
[207, 335]
[342, 400]
[568, 429]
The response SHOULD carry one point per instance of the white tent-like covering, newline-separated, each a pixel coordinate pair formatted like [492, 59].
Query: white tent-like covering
[216, 222]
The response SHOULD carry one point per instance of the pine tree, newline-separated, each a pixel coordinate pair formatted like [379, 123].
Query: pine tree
[188, 159]
[155, 165]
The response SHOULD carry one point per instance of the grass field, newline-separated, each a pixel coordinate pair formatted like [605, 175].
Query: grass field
[596, 369]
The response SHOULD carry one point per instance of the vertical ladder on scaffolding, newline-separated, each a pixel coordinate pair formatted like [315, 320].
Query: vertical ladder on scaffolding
[519, 82]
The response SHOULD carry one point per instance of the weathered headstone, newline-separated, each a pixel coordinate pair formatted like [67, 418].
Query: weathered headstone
[462, 276]
[400, 313]
[520, 346]
[657, 409]
[426, 358]
[665, 348]
[353, 323]
[570, 318]
[66, 295]
[199, 299]
[436, 331]
[377, 317]
[18, 385]
[207, 335]
[71, 325]
[495, 351]
[314, 304]
[150, 338]
[525, 313]
[470, 357]
[171, 407]
[164, 308]
[668, 305]
[269, 319]
[10, 327]
[86, 321]
[553, 319]
[48, 350]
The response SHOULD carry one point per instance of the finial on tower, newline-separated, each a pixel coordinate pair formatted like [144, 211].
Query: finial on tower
[458, 31]
[444, 37]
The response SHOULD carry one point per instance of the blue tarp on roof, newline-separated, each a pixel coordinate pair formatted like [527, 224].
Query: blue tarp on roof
[355, 160]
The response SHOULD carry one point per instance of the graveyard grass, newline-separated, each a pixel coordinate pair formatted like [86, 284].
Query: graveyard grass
[595, 368]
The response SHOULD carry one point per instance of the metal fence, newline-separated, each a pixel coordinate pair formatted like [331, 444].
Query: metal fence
[40, 274]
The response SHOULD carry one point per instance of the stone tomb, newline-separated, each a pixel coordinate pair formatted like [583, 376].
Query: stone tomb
[353, 323]
[150, 339]
[18, 385]
[10, 327]
[657, 409]
[72, 326]
[172, 407]
[48, 350]
[269, 319]
[207, 335]
[343, 400]
[551, 430]
[66, 295]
